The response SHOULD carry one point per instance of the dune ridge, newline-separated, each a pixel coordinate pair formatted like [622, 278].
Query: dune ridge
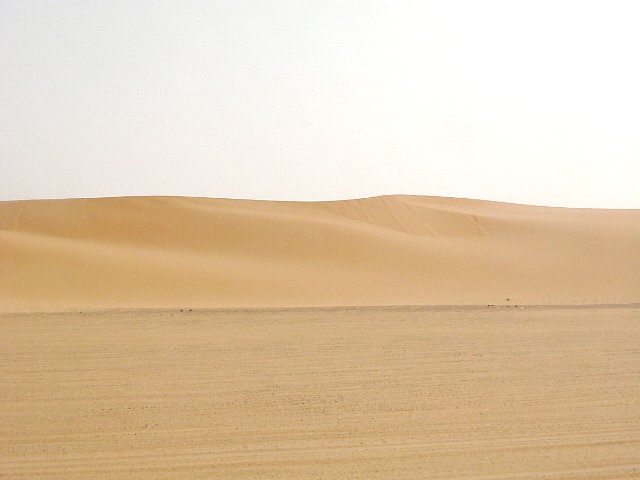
[143, 252]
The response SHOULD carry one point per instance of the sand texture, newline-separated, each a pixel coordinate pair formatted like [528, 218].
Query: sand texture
[143, 252]
[372, 393]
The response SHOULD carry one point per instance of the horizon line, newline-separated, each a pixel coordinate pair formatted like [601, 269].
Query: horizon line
[343, 199]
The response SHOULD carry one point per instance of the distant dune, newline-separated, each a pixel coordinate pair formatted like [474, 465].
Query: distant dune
[159, 252]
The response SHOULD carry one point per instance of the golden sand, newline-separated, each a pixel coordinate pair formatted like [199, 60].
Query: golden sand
[398, 250]
[374, 393]
[154, 387]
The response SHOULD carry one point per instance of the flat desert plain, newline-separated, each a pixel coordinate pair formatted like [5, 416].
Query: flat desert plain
[381, 392]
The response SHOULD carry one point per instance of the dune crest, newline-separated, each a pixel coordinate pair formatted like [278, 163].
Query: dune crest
[176, 251]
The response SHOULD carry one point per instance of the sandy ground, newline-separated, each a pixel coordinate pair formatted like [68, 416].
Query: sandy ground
[431, 392]
[397, 250]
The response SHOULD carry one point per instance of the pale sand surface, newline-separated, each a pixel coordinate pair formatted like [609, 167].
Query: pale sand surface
[393, 393]
[395, 250]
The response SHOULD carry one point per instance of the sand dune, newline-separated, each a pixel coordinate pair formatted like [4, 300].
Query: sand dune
[175, 251]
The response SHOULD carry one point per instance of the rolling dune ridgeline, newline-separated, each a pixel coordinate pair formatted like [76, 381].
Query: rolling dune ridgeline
[143, 252]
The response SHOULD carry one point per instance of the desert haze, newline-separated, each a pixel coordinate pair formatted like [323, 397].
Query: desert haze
[393, 337]
[139, 252]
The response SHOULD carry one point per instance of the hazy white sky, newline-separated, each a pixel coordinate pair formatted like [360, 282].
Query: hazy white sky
[524, 101]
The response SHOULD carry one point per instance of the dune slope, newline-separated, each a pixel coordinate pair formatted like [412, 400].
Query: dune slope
[173, 251]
